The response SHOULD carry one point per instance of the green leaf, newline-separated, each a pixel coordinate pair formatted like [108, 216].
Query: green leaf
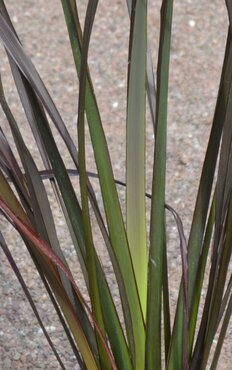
[155, 276]
[201, 274]
[90, 251]
[135, 148]
[150, 78]
[166, 304]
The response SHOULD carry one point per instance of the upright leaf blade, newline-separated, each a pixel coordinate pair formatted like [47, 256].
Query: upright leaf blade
[155, 273]
[201, 274]
[135, 148]
[90, 251]
[151, 88]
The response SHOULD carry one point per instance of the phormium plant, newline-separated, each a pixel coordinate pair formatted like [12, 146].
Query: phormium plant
[98, 338]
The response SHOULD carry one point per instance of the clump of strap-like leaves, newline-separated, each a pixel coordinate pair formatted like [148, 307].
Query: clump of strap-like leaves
[98, 338]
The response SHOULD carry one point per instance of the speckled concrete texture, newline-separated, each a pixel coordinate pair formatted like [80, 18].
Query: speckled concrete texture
[199, 36]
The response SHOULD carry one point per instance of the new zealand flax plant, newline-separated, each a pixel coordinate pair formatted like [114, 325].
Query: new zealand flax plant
[141, 336]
